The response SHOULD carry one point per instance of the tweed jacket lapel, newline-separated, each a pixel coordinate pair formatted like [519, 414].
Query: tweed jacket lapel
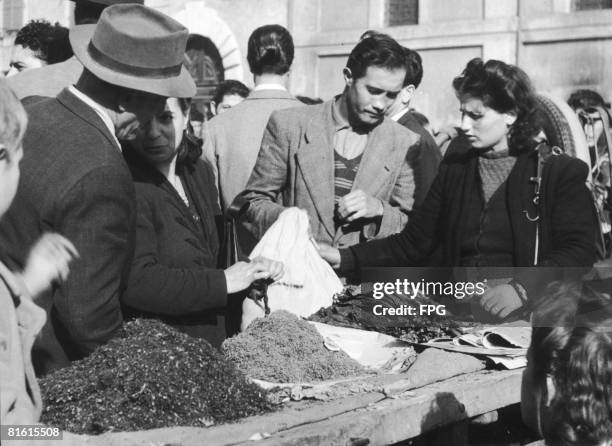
[316, 164]
[374, 169]
[86, 113]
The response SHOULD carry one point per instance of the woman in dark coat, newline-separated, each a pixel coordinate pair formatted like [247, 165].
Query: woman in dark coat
[481, 211]
[174, 273]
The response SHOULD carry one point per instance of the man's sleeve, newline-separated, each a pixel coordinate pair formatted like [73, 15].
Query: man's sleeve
[268, 179]
[426, 168]
[97, 215]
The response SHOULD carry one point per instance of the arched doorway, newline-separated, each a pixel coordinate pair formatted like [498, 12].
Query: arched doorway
[206, 67]
[212, 50]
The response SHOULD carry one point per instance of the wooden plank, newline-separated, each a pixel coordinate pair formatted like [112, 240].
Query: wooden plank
[419, 411]
[298, 414]
[363, 416]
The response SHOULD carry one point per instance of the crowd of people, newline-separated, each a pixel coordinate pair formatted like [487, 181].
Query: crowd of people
[119, 209]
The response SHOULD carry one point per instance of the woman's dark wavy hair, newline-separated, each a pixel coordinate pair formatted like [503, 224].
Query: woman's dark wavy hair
[190, 148]
[506, 89]
[572, 343]
[270, 50]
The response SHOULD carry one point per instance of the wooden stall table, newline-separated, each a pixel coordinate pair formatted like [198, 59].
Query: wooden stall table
[369, 418]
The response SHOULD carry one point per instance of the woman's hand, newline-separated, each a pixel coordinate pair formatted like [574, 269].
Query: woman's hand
[48, 261]
[240, 275]
[330, 254]
[500, 301]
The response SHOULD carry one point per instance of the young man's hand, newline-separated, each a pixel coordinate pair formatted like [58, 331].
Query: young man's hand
[357, 204]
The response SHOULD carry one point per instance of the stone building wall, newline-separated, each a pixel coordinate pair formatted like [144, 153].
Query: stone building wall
[561, 49]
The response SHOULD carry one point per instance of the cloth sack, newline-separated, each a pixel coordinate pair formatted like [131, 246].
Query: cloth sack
[308, 283]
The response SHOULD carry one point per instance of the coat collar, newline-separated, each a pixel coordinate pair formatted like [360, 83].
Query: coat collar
[269, 94]
[86, 113]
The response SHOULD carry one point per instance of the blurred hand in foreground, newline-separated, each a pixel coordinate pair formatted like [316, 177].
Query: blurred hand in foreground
[48, 262]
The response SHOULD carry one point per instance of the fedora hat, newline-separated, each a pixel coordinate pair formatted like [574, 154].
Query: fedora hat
[110, 2]
[136, 47]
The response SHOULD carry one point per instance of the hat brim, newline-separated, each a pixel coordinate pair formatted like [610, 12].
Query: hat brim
[181, 86]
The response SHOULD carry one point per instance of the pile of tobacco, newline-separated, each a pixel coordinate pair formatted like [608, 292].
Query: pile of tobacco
[149, 376]
[285, 349]
[355, 310]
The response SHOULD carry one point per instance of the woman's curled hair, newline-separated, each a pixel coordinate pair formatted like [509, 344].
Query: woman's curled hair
[506, 89]
[572, 343]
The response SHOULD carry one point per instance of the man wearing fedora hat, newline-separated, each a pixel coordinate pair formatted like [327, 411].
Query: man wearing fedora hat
[51, 79]
[74, 180]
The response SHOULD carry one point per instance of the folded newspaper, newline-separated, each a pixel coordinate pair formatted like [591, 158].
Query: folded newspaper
[503, 344]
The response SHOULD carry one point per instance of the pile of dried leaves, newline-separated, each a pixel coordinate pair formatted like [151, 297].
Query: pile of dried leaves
[355, 310]
[149, 376]
[285, 349]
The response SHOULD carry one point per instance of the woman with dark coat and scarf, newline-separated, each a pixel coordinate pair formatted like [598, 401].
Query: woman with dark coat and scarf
[482, 210]
[174, 275]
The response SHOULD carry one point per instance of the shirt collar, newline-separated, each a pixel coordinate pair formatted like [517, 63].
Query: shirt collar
[396, 117]
[269, 87]
[98, 109]
[340, 117]
[340, 113]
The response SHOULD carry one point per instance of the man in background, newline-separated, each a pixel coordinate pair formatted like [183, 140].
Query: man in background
[232, 139]
[228, 94]
[51, 79]
[426, 155]
[37, 44]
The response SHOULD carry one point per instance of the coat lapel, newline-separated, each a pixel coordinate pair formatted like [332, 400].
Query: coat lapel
[316, 165]
[374, 169]
[524, 230]
[202, 204]
[86, 113]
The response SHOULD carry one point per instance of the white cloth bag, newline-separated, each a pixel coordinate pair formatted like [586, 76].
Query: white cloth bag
[308, 283]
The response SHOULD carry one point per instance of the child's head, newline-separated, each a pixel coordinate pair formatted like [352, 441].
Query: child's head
[567, 385]
[13, 122]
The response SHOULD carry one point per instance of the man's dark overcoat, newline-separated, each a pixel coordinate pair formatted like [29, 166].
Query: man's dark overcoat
[74, 181]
